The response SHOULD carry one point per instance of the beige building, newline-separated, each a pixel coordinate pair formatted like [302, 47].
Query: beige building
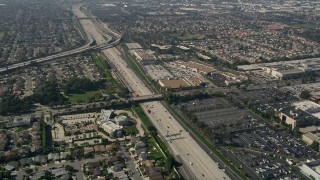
[194, 67]
[144, 56]
[192, 81]
[296, 117]
[310, 134]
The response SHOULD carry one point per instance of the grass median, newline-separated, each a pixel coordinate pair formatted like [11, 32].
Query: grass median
[207, 143]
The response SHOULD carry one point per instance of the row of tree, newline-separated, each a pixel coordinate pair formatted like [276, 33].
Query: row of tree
[82, 85]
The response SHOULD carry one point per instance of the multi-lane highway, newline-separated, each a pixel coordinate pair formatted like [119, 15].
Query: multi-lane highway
[102, 39]
[196, 161]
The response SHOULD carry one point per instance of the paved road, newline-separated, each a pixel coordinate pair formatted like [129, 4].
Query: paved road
[76, 165]
[195, 159]
[130, 164]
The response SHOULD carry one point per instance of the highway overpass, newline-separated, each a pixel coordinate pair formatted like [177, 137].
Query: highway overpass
[146, 98]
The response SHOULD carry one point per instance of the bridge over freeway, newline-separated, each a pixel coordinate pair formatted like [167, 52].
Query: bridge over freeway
[146, 98]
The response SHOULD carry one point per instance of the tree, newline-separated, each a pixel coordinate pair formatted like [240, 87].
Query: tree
[29, 171]
[69, 168]
[305, 94]
[296, 133]
[170, 162]
[315, 145]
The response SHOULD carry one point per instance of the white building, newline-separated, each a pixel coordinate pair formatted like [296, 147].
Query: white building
[106, 115]
[112, 129]
[121, 120]
[19, 121]
[311, 169]
[104, 122]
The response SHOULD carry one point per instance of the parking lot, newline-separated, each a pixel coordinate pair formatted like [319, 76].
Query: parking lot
[215, 111]
[218, 80]
[263, 96]
[297, 89]
[157, 72]
[178, 72]
[265, 166]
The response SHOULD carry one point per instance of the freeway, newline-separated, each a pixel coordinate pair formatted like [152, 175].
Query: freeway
[87, 46]
[195, 160]
[101, 38]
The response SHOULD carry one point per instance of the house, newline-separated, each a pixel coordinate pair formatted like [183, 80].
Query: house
[11, 165]
[154, 173]
[142, 154]
[94, 169]
[19, 121]
[40, 159]
[53, 156]
[88, 150]
[59, 172]
[139, 145]
[63, 155]
[117, 167]
[148, 163]
[113, 159]
[25, 161]
[110, 147]
[3, 140]
[99, 148]
[121, 175]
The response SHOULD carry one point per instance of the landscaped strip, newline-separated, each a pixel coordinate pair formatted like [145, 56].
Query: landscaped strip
[206, 142]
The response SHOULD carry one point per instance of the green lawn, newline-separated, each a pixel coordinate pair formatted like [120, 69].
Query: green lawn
[22, 128]
[79, 98]
[2, 33]
[130, 129]
[145, 120]
[103, 66]
[207, 143]
[112, 85]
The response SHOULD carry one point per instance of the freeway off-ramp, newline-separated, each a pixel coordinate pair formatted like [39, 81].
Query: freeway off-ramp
[196, 161]
[102, 39]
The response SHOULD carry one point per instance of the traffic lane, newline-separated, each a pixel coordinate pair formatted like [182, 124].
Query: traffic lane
[195, 158]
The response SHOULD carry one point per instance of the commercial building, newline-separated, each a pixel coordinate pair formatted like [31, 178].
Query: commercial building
[133, 46]
[105, 123]
[311, 169]
[286, 69]
[296, 117]
[144, 56]
[310, 134]
[192, 81]
[195, 67]
[112, 129]
[106, 115]
[166, 57]
[19, 121]
[121, 120]
[161, 48]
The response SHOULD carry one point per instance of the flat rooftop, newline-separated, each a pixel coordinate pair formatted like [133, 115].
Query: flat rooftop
[195, 65]
[173, 83]
[309, 107]
[133, 46]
